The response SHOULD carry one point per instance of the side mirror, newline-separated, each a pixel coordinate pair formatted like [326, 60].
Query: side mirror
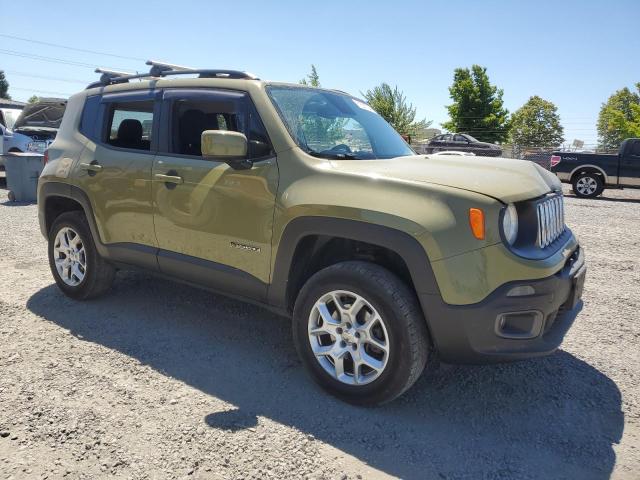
[226, 146]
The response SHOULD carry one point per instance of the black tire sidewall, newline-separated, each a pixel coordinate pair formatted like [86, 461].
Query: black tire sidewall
[76, 222]
[397, 372]
[599, 188]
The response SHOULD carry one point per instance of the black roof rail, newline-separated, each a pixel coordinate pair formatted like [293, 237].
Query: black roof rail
[161, 69]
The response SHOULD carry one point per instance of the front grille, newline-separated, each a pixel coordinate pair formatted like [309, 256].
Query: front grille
[550, 220]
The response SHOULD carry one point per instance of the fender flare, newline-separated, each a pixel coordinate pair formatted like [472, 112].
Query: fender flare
[589, 165]
[409, 249]
[128, 253]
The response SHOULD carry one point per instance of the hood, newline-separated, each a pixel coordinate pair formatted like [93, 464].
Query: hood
[505, 179]
[46, 113]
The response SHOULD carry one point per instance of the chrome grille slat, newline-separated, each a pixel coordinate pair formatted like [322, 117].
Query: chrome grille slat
[550, 220]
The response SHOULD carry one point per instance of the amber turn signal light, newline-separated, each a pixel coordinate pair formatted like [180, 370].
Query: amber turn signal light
[476, 221]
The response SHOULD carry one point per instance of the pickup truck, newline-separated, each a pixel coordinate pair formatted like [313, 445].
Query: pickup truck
[591, 173]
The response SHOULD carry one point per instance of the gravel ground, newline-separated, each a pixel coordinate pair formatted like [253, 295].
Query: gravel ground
[160, 380]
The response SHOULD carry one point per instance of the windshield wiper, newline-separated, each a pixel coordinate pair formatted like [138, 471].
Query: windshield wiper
[333, 156]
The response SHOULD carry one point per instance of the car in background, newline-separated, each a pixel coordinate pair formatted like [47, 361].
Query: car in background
[8, 116]
[36, 127]
[591, 173]
[454, 153]
[462, 142]
[9, 113]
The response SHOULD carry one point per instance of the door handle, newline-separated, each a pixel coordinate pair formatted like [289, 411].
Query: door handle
[175, 179]
[91, 167]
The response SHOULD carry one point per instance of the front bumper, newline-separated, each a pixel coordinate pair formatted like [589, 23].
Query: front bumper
[504, 327]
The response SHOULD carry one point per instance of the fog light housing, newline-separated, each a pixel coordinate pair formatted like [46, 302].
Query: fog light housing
[521, 291]
[519, 325]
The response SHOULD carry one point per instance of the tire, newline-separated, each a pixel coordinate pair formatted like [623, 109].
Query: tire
[401, 329]
[588, 185]
[97, 274]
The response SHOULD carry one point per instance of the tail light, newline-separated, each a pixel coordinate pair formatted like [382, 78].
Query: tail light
[555, 160]
[45, 157]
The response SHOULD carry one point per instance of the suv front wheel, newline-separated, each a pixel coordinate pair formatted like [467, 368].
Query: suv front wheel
[77, 267]
[360, 333]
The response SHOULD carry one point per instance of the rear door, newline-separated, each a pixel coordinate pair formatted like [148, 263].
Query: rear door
[460, 143]
[115, 170]
[630, 165]
[213, 223]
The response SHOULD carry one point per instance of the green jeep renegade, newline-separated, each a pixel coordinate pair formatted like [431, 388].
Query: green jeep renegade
[306, 201]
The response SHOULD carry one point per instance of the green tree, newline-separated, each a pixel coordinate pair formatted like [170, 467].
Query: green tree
[318, 130]
[33, 99]
[392, 105]
[619, 118]
[477, 107]
[4, 86]
[536, 124]
[313, 79]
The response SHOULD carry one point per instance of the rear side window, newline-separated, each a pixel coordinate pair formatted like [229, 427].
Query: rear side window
[89, 126]
[130, 125]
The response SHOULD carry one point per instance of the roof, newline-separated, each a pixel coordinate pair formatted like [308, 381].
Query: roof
[6, 103]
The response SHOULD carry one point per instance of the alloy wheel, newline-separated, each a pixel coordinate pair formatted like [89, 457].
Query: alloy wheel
[348, 337]
[70, 256]
[586, 185]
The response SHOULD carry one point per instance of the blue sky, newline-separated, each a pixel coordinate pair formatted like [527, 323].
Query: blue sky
[574, 53]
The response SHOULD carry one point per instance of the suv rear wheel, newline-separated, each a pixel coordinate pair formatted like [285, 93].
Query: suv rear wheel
[360, 333]
[79, 271]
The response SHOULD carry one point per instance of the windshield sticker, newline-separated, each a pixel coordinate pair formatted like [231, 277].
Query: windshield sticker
[363, 106]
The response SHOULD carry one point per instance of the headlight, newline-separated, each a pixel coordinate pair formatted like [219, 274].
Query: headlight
[510, 224]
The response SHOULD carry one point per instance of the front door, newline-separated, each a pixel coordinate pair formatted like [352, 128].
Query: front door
[213, 223]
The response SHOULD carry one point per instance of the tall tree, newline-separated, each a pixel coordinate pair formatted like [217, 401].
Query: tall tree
[477, 107]
[392, 105]
[313, 79]
[4, 86]
[619, 118]
[33, 99]
[536, 124]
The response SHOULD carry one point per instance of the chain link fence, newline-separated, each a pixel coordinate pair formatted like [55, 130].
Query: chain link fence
[540, 155]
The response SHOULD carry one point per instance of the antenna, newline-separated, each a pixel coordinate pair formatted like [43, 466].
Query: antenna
[158, 67]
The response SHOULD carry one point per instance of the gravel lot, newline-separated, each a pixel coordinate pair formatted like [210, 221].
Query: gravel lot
[160, 380]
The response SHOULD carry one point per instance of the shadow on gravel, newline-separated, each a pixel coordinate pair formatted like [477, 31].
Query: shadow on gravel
[555, 417]
[604, 198]
[9, 203]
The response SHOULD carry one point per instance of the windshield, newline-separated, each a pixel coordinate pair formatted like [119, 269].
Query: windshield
[48, 115]
[336, 126]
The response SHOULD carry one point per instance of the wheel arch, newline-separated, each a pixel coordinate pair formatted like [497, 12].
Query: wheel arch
[589, 168]
[54, 197]
[306, 239]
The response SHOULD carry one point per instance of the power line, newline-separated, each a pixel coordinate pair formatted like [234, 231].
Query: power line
[83, 50]
[42, 91]
[51, 59]
[44, 77]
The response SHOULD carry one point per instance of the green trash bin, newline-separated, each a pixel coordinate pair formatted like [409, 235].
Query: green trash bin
[22, 172]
